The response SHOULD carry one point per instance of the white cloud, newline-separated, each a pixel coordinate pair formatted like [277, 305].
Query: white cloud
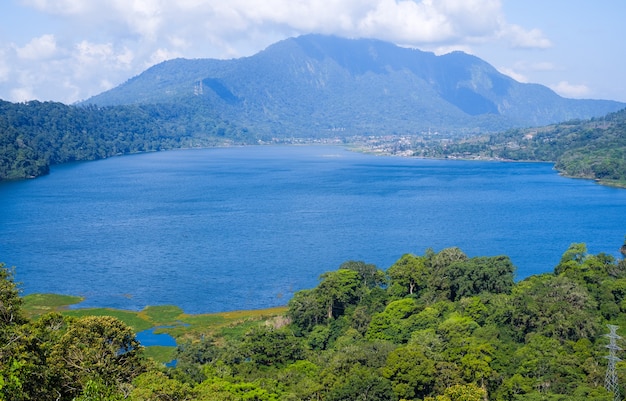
[514, 74]
[90, 53]
[22, 94]
[104, 42]
[39, 48]
[161, 55]
[567, 89]
[411, 22]
[58, 7]
[439, 50]
[5, 70]
[518, 37]
[542, 66]
[521, 71]
[142, 16]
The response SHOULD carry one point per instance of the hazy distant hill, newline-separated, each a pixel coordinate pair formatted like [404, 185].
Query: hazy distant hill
[317, 85]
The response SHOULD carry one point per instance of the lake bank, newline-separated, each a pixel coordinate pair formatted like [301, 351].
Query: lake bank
[153, 321]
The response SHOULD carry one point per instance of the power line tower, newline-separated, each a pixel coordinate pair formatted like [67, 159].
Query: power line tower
[610, 380]
[198, 88]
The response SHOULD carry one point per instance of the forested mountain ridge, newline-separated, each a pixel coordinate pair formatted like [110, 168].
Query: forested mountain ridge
[316, 85]
[593, 148]
[35, 135]
[440, 326]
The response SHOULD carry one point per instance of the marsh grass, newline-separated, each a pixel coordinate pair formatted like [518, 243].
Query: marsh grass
[132, 319]
[39, 304]
[168, 319]
[160, 353]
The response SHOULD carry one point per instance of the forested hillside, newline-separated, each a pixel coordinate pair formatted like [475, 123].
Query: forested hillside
[320, 85]
[594, 148]
[439, 326]
[35, 135]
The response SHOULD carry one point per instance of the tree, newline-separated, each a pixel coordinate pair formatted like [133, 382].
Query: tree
[96, 391]
[10, 301]
[392, 324]
[555, 306]
[272, 347]
[411, 373]
[337, 290]
[154, 385]
[96, 348]
[302, 378]
[410, 273]
[369, 274]
[461, 392]
[548, 365]
[477, 275]
[572, 258]
[439, 281]
[192, 355]
[306, 310]
[22, 370]
[362, 384]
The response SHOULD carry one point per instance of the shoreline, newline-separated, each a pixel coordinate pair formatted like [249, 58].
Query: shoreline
[169, 319]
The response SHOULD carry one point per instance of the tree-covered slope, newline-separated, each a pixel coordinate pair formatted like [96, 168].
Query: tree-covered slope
[316, 85]
[593, 148]
[440, 326]
[35, 135]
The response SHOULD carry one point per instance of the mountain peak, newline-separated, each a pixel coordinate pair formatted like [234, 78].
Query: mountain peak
[312, 83]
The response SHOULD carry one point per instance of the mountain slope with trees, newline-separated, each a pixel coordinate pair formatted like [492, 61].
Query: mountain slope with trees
[35, 135]
[316, 85]
[592, 149]
[440, 326]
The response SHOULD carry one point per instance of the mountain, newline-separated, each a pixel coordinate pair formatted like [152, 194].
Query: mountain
[317, 85]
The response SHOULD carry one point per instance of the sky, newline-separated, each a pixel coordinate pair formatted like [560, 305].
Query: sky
[70, 50]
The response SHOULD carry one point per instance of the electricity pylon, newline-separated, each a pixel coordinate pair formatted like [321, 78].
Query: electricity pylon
[610, 380]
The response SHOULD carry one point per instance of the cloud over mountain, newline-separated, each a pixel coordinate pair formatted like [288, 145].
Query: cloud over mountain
[104, 41]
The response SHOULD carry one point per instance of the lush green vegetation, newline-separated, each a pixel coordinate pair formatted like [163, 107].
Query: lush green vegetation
[35, 135]
[594, 149]
[439, 326]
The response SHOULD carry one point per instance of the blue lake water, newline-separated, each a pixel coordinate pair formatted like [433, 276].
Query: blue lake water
[243, 228]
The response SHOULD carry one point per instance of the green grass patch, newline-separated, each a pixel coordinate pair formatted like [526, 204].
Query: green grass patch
[160, 353]
[132, 319]
[239, 329]
[176, 323]
[39, 304]
[163, 315]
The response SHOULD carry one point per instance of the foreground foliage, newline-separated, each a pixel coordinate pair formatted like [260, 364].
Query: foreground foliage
[439, 327]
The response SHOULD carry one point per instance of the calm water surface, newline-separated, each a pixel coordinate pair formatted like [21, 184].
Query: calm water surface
[241, 228]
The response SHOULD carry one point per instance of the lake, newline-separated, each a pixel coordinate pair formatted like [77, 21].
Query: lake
[244, 228]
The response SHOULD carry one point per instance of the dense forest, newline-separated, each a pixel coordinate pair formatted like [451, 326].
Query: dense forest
[36, 135]
[594, 149]
[440, 326]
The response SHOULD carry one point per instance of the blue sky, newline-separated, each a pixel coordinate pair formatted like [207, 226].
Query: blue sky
[69, 50]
